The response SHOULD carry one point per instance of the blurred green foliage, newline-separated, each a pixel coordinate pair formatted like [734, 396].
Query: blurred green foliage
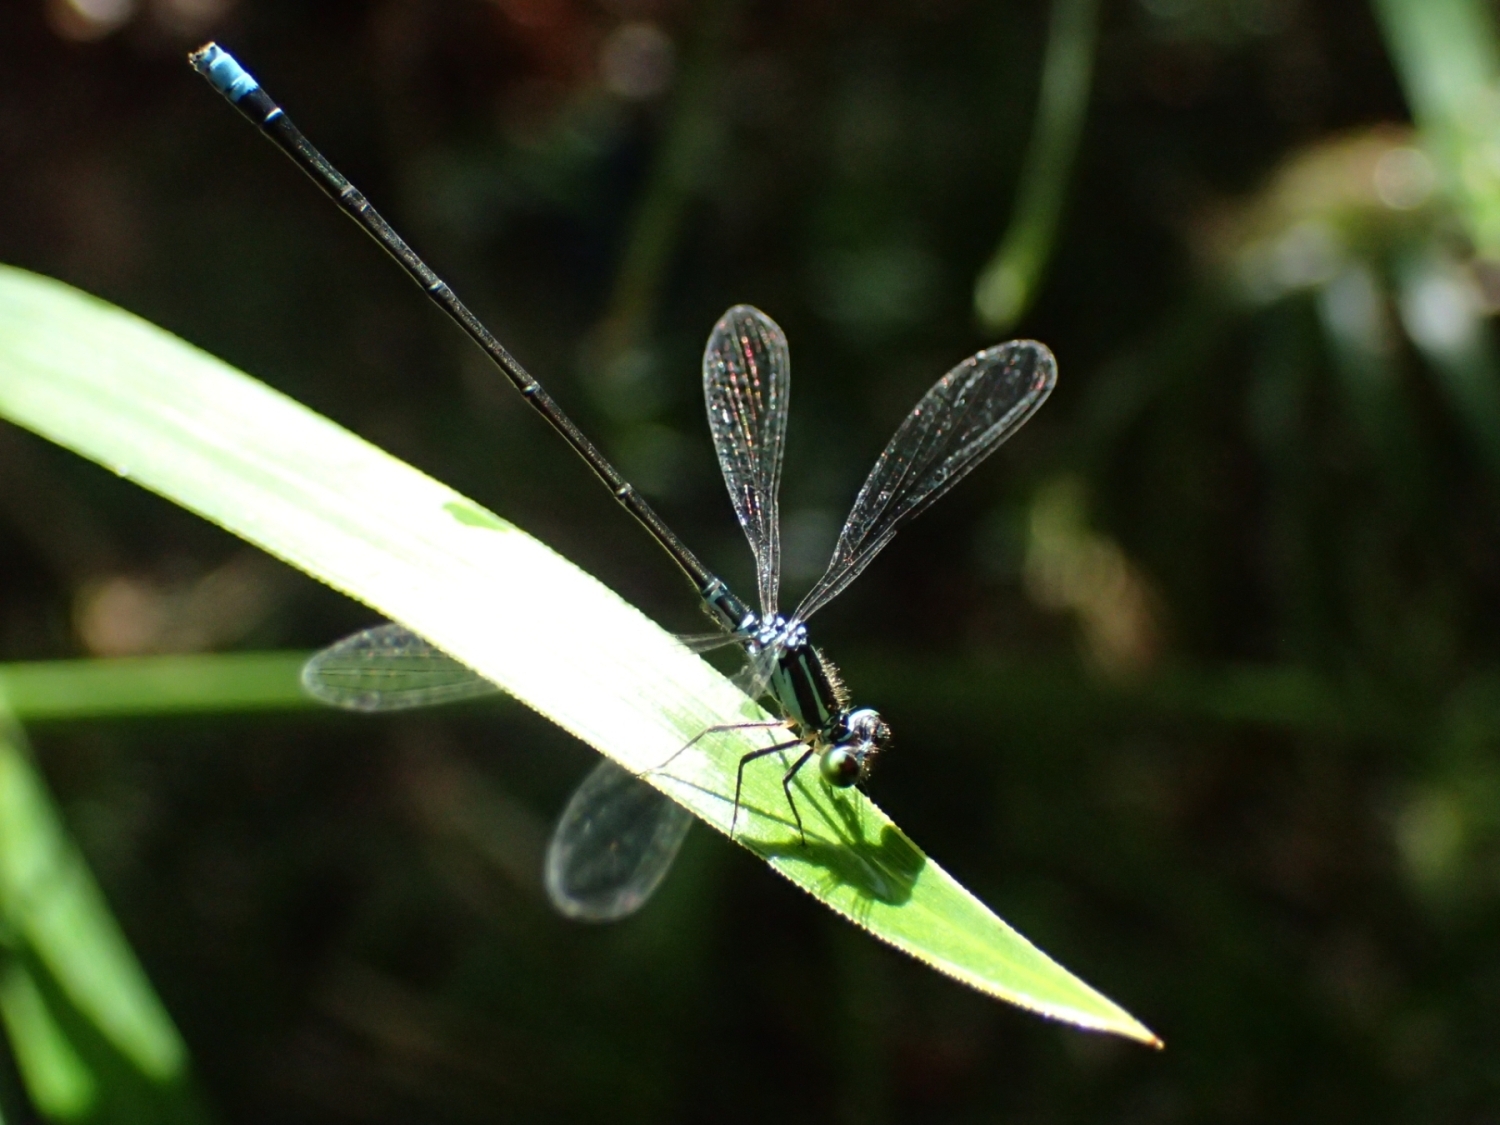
[90, 1039]
[1198, 684]
[1007, 285]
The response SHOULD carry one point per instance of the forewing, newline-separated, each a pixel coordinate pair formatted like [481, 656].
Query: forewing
[612, 846]
[746, 385]
[389, 668]
[964, 418]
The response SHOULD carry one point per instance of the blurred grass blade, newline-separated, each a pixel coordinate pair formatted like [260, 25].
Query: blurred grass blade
[1352, 311]
[183, 424]
[49, 899]
[1444, 316]
[1448, 58]
[59, 1082]
[1008, 283]
[678, 167]
[154, 685]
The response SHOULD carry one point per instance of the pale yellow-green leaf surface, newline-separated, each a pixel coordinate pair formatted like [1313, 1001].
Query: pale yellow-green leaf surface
[173, 419]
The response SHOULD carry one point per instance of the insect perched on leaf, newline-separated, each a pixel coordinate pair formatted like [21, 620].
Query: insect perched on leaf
[618, 836]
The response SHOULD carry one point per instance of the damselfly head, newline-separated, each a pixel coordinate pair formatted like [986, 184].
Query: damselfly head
[847, 762]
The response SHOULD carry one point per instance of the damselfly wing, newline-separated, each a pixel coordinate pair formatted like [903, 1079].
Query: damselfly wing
[618, 836]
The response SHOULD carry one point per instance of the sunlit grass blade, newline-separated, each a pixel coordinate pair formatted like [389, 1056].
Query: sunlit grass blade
[179, 422]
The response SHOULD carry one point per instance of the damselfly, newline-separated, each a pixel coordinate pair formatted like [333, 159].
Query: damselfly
[618, 836]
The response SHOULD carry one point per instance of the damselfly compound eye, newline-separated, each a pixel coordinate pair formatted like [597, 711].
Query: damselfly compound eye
[841, 766]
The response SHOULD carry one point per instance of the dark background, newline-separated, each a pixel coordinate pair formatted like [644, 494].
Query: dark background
[1196, 682]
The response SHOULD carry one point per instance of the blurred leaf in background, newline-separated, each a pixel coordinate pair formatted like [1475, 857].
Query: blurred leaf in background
[90, 1038]
[1008, 283]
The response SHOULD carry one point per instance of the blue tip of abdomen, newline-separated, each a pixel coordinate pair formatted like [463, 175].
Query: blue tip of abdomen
[223, 72]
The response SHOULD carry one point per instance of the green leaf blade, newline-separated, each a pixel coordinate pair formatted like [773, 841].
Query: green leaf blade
[154, 685]
[187, 426]
[50, 899]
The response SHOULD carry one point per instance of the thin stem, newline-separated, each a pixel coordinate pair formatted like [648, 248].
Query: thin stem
[1008, 284]
[656, 226]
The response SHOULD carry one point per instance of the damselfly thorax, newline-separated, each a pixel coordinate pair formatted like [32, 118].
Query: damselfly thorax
[783, 664]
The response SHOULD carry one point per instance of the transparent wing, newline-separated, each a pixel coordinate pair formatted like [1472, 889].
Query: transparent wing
[389, 668]
[612, 846]
[964, 418]
[746, 385]
[707, 642]
[754, 679]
